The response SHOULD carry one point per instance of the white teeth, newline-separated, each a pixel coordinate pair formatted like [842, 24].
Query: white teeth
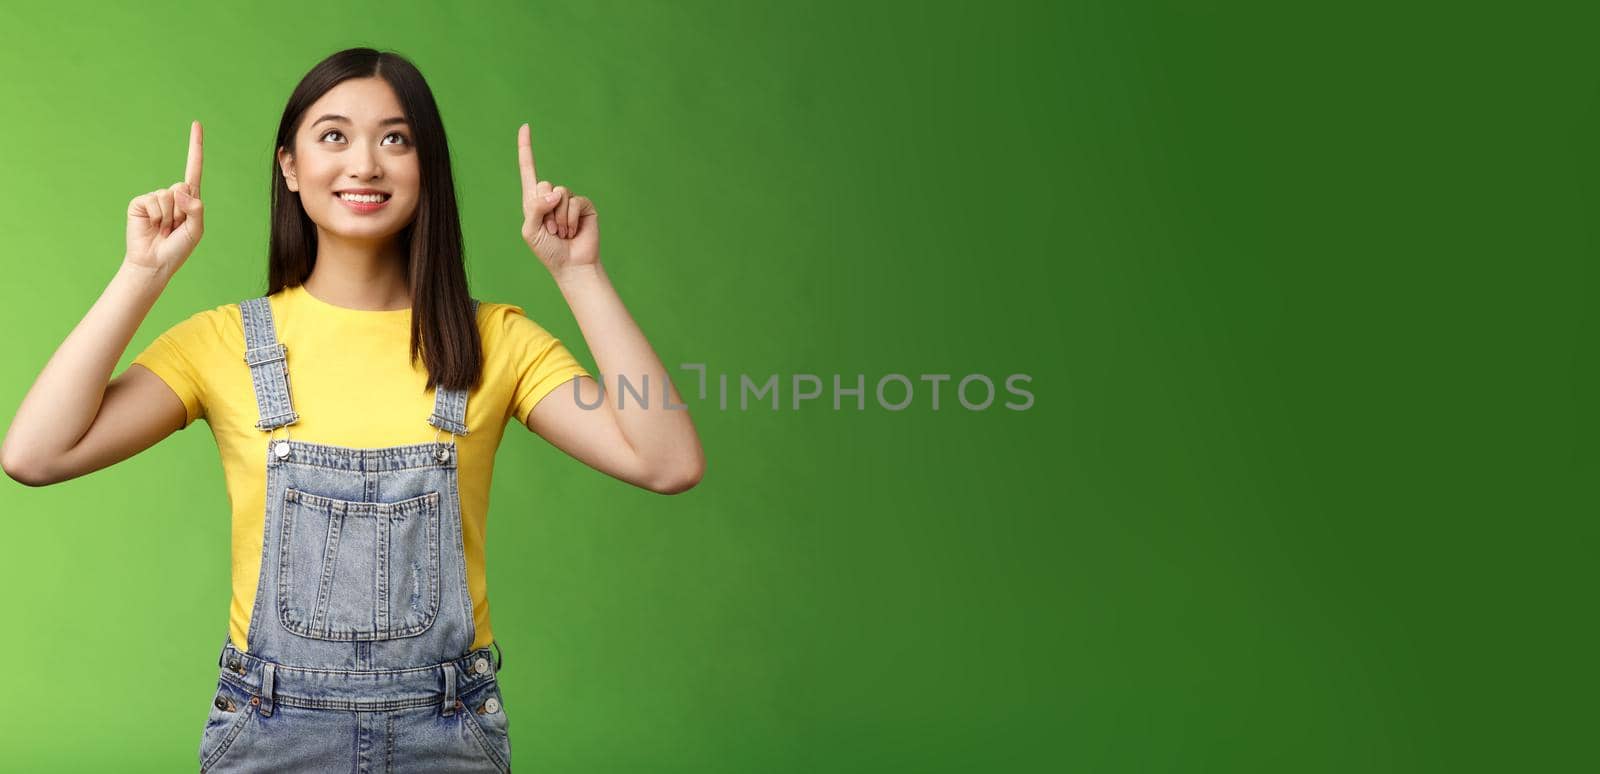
[369, 198]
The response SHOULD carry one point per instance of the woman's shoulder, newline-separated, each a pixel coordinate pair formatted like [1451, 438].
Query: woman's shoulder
[218, 325]
[194, 350]
[496, 309]
[499, 321]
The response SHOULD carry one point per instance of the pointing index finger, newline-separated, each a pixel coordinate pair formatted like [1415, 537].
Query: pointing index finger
[191, 171]
[530, 178]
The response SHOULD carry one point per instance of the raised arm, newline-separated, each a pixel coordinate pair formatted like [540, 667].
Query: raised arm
[652, 446]
[74, 419]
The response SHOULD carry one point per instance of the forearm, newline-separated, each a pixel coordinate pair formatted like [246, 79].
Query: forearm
[664, 438]
[63, 401]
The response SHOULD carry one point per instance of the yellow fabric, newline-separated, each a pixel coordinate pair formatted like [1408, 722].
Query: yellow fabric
[352, 384]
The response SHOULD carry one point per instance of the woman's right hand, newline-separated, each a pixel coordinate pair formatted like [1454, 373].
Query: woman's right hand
[164, 226]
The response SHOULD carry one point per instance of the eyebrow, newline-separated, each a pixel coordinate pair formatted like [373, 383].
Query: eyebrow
[337, 117]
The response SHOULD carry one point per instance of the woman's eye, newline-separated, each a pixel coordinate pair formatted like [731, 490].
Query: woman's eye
[387, 136]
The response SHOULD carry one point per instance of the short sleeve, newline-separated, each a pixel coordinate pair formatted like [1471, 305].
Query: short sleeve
[176, 356]
[539, 361]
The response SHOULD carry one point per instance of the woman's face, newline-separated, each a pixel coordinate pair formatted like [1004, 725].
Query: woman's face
[355, 137]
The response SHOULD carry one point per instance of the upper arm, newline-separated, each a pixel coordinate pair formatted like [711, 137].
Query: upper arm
[138, 410]
[161, 392]
[548, 384]
[590, 435]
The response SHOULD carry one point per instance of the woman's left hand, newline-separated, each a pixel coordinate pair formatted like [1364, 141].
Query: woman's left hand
[562, 229]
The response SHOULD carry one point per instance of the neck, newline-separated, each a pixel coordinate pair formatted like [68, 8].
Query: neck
[356, 274]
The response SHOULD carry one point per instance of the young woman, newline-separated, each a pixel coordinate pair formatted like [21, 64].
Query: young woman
[357, 407]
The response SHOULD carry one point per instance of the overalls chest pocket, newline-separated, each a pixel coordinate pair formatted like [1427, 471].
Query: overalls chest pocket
[353, 570]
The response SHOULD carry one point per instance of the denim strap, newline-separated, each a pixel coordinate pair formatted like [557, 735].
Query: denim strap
[268, 361]
[450, 406]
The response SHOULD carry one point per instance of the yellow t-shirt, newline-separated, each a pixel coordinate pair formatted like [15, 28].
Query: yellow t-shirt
[353, 384]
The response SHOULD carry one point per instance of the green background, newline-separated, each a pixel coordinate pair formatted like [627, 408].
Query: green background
[1302, 293]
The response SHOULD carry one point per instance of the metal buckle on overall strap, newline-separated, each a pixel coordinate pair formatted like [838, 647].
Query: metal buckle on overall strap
[442, 453]
[279, 449]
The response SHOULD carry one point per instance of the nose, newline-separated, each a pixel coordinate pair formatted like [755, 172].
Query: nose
[364, 165]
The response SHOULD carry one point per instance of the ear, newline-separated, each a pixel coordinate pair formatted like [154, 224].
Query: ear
[286, 164]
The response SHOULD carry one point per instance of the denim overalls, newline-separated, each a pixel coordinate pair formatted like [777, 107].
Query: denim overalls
[362, 622]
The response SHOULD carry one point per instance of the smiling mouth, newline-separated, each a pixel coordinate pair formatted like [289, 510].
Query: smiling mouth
[362, 208]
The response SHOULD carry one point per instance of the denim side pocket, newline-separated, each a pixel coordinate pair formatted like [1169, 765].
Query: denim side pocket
[230, 711]
[485, 712]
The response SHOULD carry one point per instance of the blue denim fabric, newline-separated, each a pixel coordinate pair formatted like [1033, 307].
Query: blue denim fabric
[362, 622]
